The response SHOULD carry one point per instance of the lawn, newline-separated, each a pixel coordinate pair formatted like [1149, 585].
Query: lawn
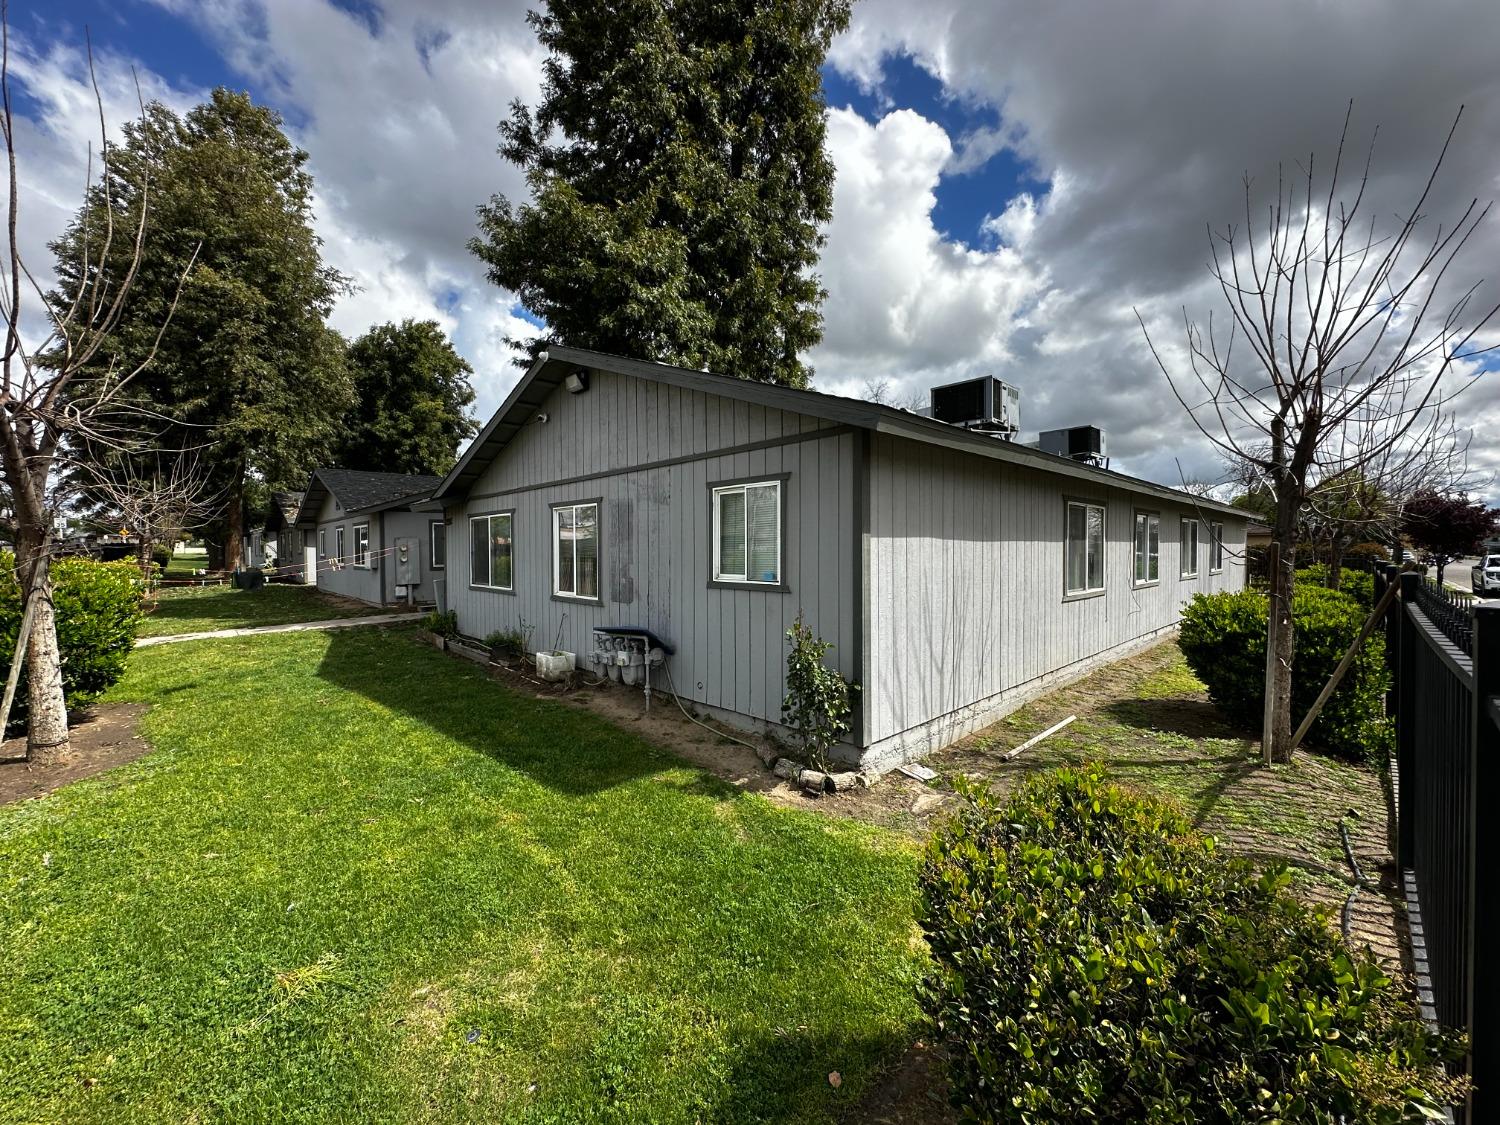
[357, 880]
[200, 609]
[185, 560]
[1148, 719]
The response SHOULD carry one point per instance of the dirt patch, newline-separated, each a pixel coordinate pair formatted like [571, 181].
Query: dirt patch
[102, 737]
[911, 1093]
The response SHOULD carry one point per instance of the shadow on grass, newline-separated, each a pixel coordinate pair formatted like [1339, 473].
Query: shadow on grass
[1194, 718]
[224, 607]
[772, 1078]
[565, 749]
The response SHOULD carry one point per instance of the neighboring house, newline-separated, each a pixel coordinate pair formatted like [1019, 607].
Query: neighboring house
[283, 538]
[957, 574]
[373, 542]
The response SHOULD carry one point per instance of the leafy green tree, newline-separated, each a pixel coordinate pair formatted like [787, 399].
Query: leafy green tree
[678, 180]
[412, 399]
[247, 370]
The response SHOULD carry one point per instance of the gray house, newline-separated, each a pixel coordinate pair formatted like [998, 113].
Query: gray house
[958, 574]
[373, 540]
[283, 539]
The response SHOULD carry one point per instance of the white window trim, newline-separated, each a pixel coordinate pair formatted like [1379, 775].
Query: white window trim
[1216, 548]
[486, 519]
[573, 596]
[1182, 542]
[322, 542]
[338, 545]
[365, 527]
[1086, 590]
[432, 563]
[1135, 554]
[722, 490]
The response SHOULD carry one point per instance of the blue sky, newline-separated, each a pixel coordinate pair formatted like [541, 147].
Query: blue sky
[1016, 183]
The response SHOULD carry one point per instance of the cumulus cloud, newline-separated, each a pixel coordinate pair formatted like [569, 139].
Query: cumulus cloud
[1149, 114]
[904, 303]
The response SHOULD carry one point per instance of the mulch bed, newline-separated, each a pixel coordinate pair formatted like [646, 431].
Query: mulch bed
[102, 737]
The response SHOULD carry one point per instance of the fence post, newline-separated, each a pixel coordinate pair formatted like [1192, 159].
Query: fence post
[1406, 727]
[1391, 575]
[1483, 970]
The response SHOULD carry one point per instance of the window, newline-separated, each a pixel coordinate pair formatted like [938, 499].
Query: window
[362, 545]
[747, 533]
[1085, 548]
[575, 551]
[1147, 548]
[491, 550]
[437, 533]
[1215, 548]
[1190, 548]
[338, 544]
[322, 542]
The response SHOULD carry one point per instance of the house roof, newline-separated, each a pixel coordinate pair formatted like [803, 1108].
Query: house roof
[552, 366]
[284, 509]
[359, 492]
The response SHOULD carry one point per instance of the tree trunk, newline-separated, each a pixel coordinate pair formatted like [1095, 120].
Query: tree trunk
[234, 531]
[47, 721]
[1336, 563]
[1276, 731]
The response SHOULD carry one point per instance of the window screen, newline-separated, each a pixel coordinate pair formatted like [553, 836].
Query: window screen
[575, 554]
[747, 533]
[1190, 548]
[1215, 547]
[1085, 548]
[1147, 547]
[491, 548]
[438, 551]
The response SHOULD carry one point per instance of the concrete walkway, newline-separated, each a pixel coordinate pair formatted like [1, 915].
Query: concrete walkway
[296, 627]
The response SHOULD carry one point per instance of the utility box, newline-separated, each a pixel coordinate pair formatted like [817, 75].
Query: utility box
[408, 561]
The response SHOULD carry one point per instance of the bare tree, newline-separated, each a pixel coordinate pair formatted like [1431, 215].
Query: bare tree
[153, 493]
[46, 403]
[1350, 331]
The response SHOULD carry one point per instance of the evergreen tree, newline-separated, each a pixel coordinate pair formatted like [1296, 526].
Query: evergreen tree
[678, 181]
[412, 398]
[247, 369]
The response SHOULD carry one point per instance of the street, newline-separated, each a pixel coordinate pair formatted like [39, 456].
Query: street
[1457, 574]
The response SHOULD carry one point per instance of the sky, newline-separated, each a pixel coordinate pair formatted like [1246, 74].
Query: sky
[1015, 182]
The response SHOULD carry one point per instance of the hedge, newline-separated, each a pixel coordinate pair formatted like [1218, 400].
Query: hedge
[1223, 636]
[1359, 583]
[1097, 960]
[98, 610]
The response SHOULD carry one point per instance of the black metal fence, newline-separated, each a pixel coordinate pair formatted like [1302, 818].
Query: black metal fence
[1444, 652]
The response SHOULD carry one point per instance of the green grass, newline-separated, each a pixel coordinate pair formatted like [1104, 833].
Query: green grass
[357, 880]
[1149, 721]
[185, 561]
[201, 609]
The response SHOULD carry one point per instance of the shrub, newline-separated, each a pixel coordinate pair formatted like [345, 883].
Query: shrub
[444, 624]
[508, 642]
[818, 700]
[1358, 583]
[97, 606]
[1223, 637]
[161, 555]
[1098, 960]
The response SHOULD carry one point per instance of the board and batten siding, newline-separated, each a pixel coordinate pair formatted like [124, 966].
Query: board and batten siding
[967, 616]
[375, 584]
[649, 453]
[351, 581]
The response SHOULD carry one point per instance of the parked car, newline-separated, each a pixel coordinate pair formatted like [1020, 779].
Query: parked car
[1486, 576]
